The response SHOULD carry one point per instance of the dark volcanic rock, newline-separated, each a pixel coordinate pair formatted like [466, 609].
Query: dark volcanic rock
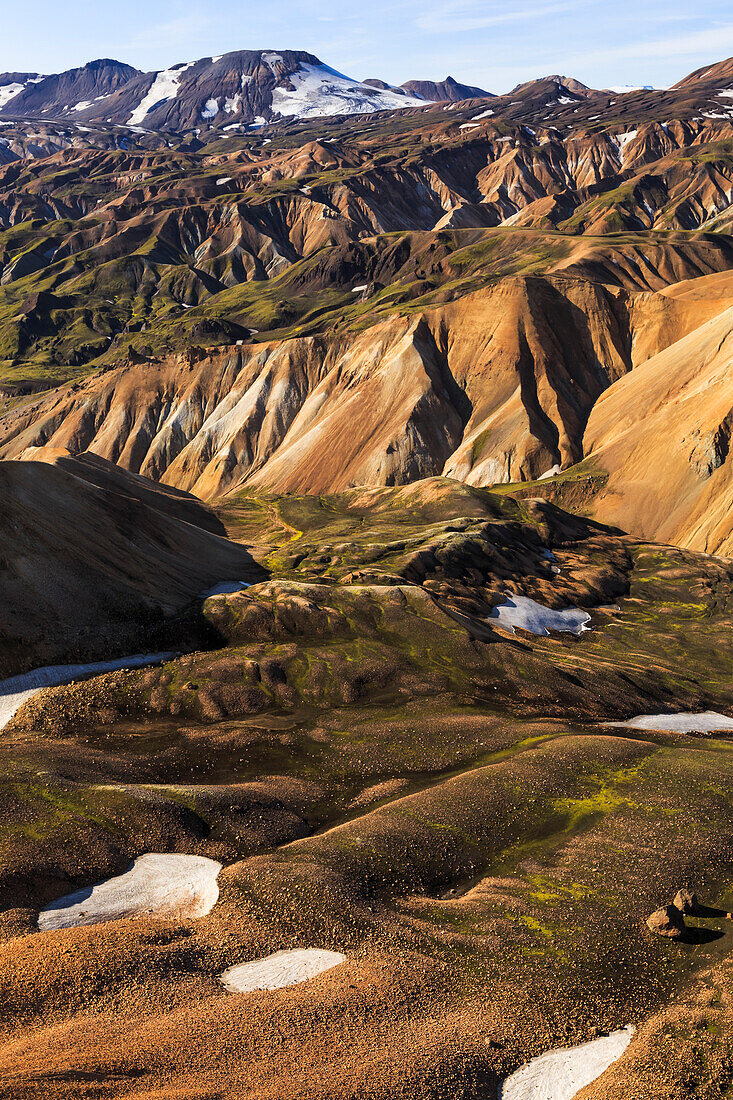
[444, 91]
[63, 92]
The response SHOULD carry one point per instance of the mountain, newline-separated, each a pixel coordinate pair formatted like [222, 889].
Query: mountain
[563, 84]
[12, 84]
[147, 552]
[718, 75]
[214, 93]
[229, 94]
[455, 381]
[448, 90]
[74, 90]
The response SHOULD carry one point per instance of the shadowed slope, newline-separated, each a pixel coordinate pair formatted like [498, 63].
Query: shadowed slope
[95, 559]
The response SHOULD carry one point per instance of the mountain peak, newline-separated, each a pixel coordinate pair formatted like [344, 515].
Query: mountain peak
[448, 90]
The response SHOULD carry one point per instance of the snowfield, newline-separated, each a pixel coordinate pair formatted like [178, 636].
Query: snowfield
[157, 884]
[282, 969]
[10, 91]
[320, 90]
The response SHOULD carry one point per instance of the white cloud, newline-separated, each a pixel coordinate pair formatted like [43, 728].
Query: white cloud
[470, 15]
[717, 40]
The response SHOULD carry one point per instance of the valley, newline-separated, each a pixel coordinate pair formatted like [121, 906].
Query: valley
[365, 668]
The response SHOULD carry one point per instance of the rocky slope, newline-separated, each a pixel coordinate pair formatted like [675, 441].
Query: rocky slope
[496, 387]
[387, 773]
[73, 91]
[663, 436]
[95, 560]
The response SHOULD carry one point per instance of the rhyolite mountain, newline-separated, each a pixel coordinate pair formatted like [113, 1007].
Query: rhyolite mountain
[455, 382]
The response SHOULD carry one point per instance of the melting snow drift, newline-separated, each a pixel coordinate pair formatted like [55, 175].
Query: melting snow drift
[158, 884]
[18, 689]
[561, 1074]
[706, 722]
[280, 970]
[525, 614]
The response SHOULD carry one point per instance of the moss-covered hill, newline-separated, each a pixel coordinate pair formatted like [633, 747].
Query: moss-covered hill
[385, 772]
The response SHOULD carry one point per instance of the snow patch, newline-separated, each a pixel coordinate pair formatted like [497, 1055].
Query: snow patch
[18, 689]
[282, 969]
[162, 885]
[211, 108]
[165, 86]
[561, 1074]
[484, 114]
[10, 91]
[523, 613]
[550, 473]
[622, 140]
[223, 179]
[707, 721]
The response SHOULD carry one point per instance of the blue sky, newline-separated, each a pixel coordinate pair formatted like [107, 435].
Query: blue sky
[486, 42]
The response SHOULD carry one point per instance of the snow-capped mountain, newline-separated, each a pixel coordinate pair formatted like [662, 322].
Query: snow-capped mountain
[234, 93]
[12, 84]
[234, 90]
[23, 94]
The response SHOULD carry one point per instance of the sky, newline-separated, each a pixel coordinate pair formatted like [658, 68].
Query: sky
[485, 42]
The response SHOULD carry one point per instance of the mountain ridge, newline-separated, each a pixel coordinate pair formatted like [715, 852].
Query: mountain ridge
[244, 89]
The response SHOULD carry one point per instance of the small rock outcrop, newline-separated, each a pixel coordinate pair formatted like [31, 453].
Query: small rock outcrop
[687, 902]
[668, 921]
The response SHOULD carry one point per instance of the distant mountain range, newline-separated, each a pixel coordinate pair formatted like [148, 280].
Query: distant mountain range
[252, 88]
[249, 87]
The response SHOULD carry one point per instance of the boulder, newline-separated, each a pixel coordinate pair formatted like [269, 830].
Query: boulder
[687, 902]
[668, 921]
